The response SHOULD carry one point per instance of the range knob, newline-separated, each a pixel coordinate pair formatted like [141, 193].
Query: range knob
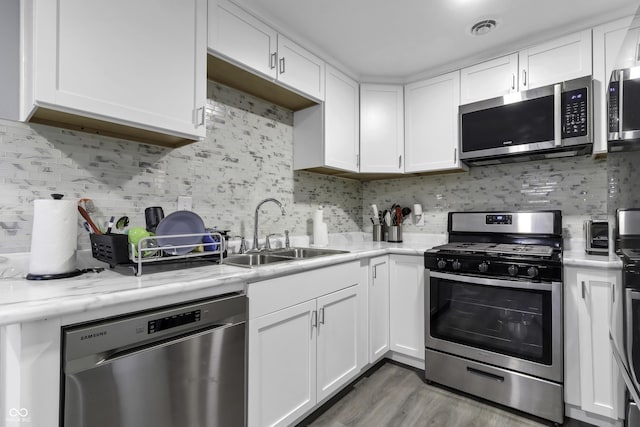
[442, 264]
[456, 265]
[513, 270]
[483, 267]
[532, 272]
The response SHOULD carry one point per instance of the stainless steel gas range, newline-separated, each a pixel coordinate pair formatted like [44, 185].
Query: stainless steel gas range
[493, 310]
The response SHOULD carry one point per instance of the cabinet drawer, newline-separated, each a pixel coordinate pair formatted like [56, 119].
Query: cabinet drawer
[271, 295]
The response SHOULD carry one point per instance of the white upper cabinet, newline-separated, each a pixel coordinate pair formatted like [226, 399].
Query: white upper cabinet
[327, 135]
[237, 35]
[431, 124]
[489, 79]
[342, 120]
[119, 68]
[381, 128]
[561, 59]
[240, 37]
[615, 45]
[300, 69]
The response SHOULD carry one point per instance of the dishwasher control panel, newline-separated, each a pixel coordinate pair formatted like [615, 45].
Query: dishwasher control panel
[169, 322]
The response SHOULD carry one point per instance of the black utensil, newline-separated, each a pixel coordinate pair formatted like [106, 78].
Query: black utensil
[405, 212]
[122, 222]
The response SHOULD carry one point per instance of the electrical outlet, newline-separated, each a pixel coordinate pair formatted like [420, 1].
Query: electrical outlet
[184, 203]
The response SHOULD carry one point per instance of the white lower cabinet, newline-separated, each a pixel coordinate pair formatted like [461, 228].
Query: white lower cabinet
[594, 390]
[378, 308]
[406, 305]
[301, 354]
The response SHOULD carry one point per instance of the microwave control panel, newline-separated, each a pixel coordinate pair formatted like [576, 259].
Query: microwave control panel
[614, 103]
[574, 113]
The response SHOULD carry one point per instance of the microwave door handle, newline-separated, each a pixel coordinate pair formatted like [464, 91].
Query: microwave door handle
[620, 102]
[557, 114]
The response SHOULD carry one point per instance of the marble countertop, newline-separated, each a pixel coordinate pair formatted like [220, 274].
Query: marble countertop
[22, 300]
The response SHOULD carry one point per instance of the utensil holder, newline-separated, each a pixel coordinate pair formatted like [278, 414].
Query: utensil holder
[395, 234]
[110, 248]
[377, 232]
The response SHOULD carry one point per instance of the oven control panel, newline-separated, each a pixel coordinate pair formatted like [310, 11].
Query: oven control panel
[499, 219]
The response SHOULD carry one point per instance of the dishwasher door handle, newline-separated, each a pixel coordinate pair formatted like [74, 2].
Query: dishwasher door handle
[86, 363]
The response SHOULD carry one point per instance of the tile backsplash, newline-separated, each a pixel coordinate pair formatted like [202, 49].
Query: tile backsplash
[577, 186]
[248, 156]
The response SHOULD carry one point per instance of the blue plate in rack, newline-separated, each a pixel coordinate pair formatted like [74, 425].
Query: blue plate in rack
[180, 222]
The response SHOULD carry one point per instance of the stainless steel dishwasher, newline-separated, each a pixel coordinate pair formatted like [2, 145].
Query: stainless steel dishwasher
[178, 366]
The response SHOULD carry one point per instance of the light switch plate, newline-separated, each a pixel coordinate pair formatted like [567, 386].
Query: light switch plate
[184, 203]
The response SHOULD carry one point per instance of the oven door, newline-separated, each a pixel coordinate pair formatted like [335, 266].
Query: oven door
[515, 325]
[630, 365]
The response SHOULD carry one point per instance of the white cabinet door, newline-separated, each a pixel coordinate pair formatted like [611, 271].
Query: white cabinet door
[141, 64]
[326, 135]
[300, 69]
[489, 79]
[341, 120]
[600, 383]
[431, 124]
[615, 45]
[239, 36]
[381, 128]
[406, 298]
[561, 59]
[378, 308]
[338, 340]
[282, 365]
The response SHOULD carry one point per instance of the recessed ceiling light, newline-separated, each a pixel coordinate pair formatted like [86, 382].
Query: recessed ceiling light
[482, 27]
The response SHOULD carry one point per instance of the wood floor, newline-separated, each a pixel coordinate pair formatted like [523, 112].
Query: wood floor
[395, 396]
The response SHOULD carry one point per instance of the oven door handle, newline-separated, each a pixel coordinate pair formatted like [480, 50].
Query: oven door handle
[631, 296]
[495, 282]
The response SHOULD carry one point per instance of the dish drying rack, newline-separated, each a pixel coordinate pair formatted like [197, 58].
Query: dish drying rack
[116, 250]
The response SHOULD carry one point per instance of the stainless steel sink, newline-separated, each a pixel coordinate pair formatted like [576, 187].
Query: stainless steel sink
[273, 256]
[306, 252]
[254, 259]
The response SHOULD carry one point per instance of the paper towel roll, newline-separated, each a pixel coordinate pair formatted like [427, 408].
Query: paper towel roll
[54, 238]
[320, 234]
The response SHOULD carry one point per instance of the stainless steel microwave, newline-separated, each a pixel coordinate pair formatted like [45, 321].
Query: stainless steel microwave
[546, 122]
[624, 110]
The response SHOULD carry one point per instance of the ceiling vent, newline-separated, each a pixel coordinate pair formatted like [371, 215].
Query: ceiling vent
[481, 28]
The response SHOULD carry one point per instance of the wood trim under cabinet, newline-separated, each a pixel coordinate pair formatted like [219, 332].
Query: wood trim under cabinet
[61, 119]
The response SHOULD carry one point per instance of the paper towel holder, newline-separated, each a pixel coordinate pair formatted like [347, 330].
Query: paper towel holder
[73, 273]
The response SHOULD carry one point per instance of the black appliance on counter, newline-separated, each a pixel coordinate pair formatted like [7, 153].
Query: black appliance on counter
[547, 122]
[493, 309]
[624, 110]
[625, 340]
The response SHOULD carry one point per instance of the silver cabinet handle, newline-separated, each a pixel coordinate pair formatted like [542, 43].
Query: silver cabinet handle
[613, 292]
[375, 271]
[314, 319]
[638, 52]
[513, 82]
[455, 155]
[322, 316]
[199, 116]
[583, 289]
[272, 60]
[399, 161]
[281, 65]
[524, 77]
[358, 160]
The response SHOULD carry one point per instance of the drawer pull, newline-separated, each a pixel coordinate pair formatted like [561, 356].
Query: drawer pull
[494, 377]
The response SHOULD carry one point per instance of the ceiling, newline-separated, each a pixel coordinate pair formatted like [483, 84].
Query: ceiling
[396, 40]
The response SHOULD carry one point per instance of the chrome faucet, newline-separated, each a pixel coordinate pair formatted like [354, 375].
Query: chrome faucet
[255, 223]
